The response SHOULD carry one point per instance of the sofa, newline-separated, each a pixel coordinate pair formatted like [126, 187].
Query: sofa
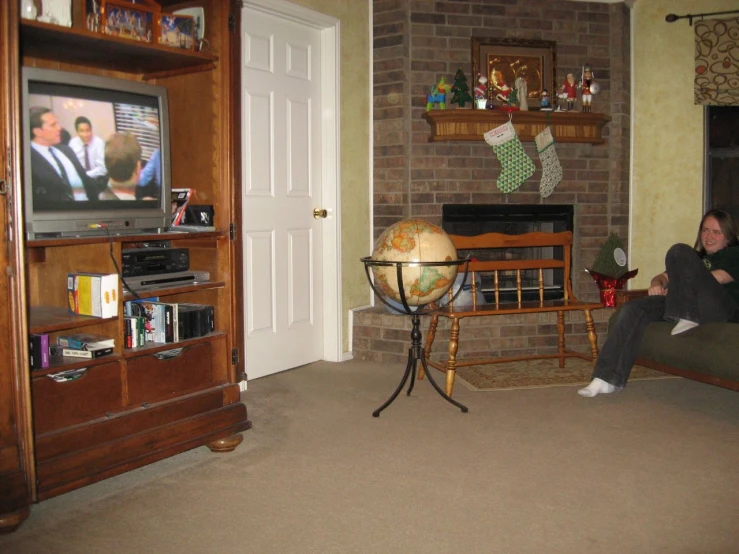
[709, 353]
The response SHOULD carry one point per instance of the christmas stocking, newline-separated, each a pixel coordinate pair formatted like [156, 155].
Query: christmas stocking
[517, 166]
[550, 166]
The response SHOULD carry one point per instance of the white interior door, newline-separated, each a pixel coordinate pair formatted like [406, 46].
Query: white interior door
[282, 158]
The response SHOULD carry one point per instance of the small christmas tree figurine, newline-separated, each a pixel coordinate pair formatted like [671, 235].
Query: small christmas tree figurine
[610, 270]
[611, 260]
[460, 89]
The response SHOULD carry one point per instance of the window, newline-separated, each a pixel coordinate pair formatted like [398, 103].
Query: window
[722, 159]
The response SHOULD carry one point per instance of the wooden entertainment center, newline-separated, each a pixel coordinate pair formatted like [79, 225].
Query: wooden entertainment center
[130, 408]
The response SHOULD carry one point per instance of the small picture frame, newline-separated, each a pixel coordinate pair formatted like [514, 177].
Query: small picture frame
[122, 20]
[176, 31]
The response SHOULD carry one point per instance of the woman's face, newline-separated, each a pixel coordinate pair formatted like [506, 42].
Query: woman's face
[712, 238]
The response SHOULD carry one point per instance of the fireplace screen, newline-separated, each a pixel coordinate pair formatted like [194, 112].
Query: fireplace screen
[478, 219]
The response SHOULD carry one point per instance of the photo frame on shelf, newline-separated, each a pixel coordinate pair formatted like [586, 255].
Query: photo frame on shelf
[502, 61]
[127, 20]
[176, 31]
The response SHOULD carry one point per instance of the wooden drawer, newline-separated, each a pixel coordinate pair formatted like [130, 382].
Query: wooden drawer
[151, 378]
[57, 405]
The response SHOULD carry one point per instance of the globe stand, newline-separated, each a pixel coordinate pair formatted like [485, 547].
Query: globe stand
[416, 352]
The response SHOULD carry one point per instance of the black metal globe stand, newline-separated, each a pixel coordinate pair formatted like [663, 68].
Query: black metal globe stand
[416, 351]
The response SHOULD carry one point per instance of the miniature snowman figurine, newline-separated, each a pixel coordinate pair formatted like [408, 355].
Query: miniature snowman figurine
[544, 103]
[481, 92]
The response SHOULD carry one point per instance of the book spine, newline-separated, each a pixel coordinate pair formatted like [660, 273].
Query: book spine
[168, 323]
[45, 350]
[89, 354]
[34, 351]
[71, 343]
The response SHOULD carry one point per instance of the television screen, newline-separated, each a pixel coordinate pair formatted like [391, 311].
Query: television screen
[96, 155]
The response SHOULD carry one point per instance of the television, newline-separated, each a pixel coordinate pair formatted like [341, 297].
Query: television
[120, 183]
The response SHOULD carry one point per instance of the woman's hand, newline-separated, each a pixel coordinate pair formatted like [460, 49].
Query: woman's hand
[658, 285]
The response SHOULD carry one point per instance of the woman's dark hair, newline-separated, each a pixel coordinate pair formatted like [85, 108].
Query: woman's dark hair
[728, 226]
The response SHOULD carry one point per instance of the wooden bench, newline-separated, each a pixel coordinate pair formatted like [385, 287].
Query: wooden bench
[495, 274]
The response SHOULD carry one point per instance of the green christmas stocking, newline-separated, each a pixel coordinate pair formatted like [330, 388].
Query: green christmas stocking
[517, 166]
[550, 166]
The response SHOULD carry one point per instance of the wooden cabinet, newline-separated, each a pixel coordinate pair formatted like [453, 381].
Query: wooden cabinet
[135, 406]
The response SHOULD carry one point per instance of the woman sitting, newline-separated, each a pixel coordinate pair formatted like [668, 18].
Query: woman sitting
[700, 285]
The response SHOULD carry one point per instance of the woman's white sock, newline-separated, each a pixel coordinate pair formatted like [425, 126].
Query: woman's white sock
[596, 386]
[682, 326]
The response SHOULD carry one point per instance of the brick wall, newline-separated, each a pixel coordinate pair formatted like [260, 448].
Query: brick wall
[418, 41]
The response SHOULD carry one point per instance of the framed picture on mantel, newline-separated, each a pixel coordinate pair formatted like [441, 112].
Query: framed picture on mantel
[503, 60]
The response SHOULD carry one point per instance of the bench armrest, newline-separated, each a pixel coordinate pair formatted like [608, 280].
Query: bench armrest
[623, 296]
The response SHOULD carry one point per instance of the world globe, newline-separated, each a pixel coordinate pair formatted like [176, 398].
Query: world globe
[414, 240]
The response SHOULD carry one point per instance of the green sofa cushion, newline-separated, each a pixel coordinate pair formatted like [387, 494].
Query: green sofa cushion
[712, 348]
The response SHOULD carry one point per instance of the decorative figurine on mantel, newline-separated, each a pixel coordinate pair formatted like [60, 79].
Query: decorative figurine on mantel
[511, 101]
[437, 95]
[568, 93]
[481, 92]
[545, 104]
[522, 92]
[460, 89]
[589, 88]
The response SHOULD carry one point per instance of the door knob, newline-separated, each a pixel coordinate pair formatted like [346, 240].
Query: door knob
[318, 213]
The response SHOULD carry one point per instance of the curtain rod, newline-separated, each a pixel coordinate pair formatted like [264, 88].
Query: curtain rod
[672, 17]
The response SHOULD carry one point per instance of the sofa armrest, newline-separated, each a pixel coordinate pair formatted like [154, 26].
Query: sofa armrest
[623, 296]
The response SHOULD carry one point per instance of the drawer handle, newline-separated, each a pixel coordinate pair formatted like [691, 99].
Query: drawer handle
[168, 354]
[69, 375]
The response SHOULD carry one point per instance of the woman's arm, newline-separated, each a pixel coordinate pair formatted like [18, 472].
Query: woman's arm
[658, 285]
[722, 276]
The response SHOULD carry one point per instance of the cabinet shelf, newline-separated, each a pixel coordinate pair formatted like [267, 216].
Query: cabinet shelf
[65, 363]
[69, 241]
[48, 319]
[169, 291]
[81, 47]
[470, 125]
[154, 347]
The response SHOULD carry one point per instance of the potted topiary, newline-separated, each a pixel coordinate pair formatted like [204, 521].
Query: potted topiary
[610, 270]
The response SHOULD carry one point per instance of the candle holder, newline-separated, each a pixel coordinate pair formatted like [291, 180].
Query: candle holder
[416, 351]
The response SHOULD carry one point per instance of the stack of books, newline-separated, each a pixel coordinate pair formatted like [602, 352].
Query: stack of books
[83, 345]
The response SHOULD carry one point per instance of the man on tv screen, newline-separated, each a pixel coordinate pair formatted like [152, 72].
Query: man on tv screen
[56, 173]
[123, 160]
[89, 148]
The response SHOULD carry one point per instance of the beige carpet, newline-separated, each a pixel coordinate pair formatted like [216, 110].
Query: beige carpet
[652, 470]
[529, 374]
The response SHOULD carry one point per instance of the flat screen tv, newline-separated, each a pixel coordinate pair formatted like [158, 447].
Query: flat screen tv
[96, 155]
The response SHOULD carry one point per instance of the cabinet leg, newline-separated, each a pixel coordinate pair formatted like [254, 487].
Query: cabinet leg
[228, 444]
[11, 521]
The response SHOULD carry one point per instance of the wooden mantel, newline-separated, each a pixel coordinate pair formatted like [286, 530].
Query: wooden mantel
[461, 124]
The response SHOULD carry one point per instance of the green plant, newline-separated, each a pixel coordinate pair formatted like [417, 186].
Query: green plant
[611, 259]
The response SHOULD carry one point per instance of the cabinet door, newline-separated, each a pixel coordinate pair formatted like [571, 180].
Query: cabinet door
[16, 454]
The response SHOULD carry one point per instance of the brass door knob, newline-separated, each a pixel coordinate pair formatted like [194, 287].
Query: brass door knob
[319, 213]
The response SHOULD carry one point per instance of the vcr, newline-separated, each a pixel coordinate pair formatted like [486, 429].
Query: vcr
[153, 261]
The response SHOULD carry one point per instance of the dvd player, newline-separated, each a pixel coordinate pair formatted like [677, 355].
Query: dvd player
[167, 279]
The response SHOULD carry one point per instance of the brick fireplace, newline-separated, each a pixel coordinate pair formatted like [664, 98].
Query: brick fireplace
[415, 43]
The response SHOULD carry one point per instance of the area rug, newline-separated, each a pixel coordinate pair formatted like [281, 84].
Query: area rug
[539, 374]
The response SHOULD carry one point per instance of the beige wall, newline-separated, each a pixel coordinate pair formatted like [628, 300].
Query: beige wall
[667, 148]
[356, 114]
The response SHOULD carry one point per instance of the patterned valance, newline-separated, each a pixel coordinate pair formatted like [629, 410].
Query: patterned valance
[717, 62]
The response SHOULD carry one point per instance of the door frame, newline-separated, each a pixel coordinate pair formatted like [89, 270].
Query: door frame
[330, 154]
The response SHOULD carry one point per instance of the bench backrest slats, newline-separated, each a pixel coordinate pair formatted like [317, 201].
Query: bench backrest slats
[506, 270]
